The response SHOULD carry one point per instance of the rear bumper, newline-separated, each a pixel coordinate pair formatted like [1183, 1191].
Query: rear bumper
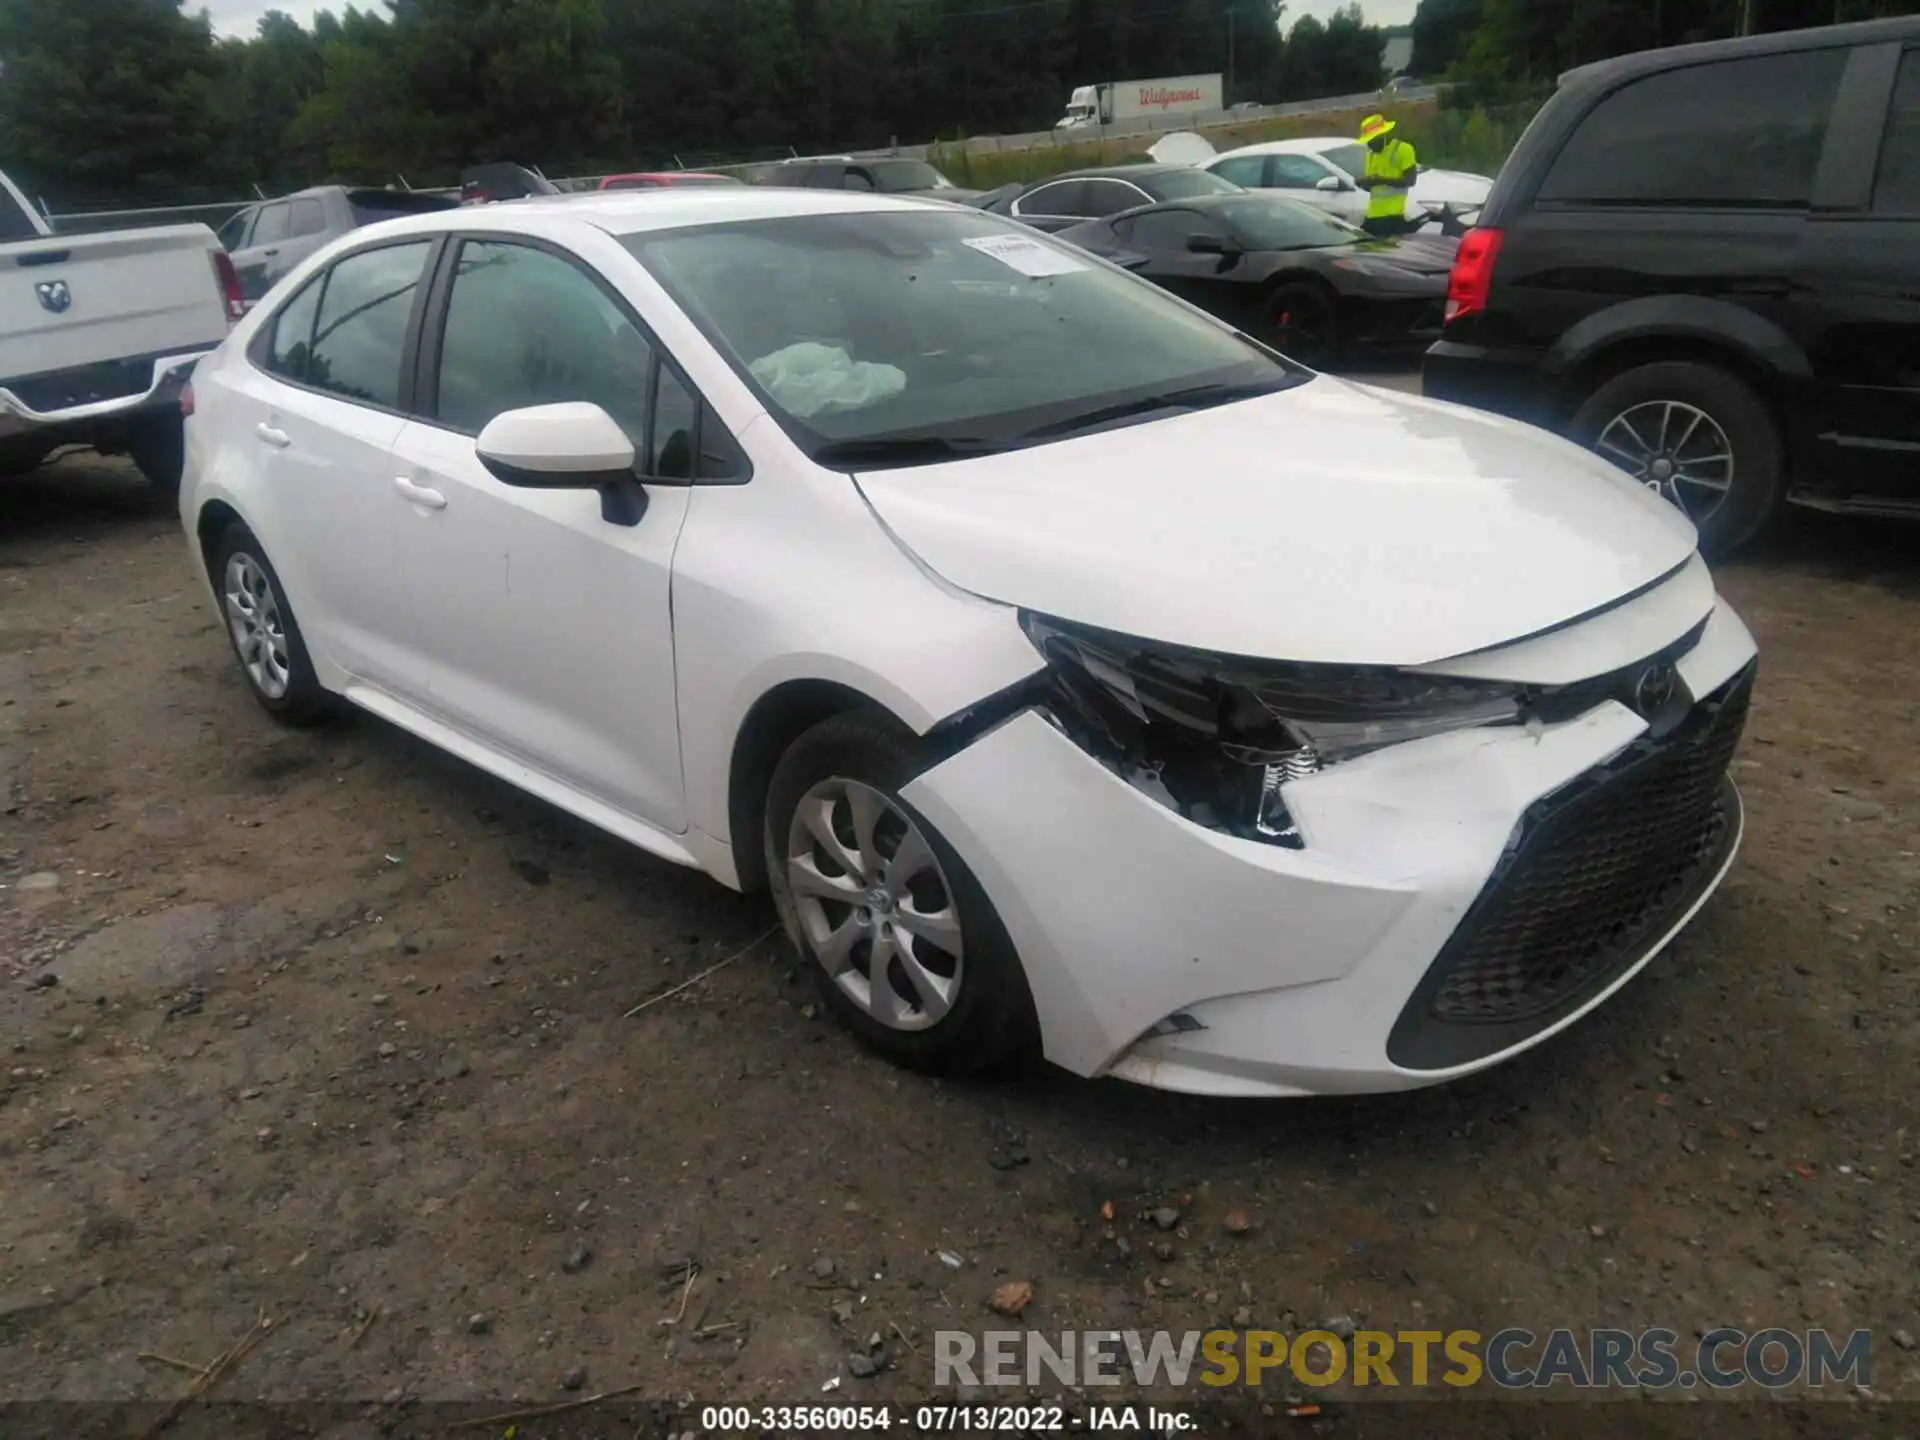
[89, 398]
[1506, 381]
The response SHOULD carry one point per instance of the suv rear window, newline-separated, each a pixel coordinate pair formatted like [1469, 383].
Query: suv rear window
[1734, 132]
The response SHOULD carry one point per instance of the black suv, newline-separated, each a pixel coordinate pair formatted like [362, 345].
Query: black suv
[1704, 262]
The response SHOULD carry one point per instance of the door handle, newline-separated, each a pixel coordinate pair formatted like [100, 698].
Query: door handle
[279, 439]
[271, 253]
[419, 494]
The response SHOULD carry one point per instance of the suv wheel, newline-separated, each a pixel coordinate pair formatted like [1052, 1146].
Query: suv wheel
[1697, 435]
[901, 939]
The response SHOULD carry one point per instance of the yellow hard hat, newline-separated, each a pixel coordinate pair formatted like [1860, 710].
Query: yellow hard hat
[1373, 127]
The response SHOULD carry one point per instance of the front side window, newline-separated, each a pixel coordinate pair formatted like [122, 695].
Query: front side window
[292, 343]
[307, 218]
[271, 227]
[894, 176]
[1896, 189]
[1169, 230]
[1187, 185]
[1734, 132]
[526, 327]
[1242, 170]
[1350, 158]
[920, 327]
[1106, 197]
[361, 329]
[1297, 172]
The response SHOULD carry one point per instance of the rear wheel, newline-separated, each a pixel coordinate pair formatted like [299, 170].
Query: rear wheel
[158, 445]
[266, 638]
[902, 941]
[1696, 435]
[1304, 322]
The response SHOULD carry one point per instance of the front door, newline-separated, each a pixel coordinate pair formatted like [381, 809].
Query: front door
[537, 626]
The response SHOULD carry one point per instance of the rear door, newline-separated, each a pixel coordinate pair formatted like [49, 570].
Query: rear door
[541, 627]
[306, 233]
[1686, 184]
[325, 390]
[257, 260]
[1858, 299]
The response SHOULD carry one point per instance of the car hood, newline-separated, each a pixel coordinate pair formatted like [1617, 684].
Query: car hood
[1441, 186]
[1330, 522]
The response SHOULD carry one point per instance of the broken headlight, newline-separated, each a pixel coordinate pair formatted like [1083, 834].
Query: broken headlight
[1216, 738]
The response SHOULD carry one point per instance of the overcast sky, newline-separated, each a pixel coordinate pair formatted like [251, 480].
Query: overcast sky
[238, 17]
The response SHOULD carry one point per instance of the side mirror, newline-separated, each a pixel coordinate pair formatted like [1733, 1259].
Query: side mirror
[1210, 245]
[571, 446]
[1330, 183]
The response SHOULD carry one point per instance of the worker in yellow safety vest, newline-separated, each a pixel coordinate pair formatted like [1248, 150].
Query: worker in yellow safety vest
[1392, 167]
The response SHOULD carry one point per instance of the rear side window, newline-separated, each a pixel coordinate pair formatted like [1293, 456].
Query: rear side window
[293, 335]
[362, 325]
[15, 223]
[1896, 190]
[1108, 197]
[1735, 132]
[307, 218]
[1062, 198]
[235, 230]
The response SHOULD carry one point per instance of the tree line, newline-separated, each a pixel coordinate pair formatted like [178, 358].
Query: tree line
[1505, 47]
[128, 101]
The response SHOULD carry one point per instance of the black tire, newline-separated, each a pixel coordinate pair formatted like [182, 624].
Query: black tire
[991, 1025]
[1303, 323]
[1759, 455]
[158, 445]
[304, 702]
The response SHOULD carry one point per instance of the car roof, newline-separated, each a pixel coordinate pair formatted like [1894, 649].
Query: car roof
[1645, 62]
[1300, 145]
[1111, 172]
[672, 207]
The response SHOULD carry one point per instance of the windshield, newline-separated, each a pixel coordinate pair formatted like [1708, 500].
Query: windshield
[897, 175]
[1270, 223]
[1351, 158]
[1186, 185]
[932, 331]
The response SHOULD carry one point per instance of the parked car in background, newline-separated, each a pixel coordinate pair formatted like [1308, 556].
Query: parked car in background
[1702, 262]
[1080, 676]
[1321, 170]
[98, 334]
[502, 180]
[662, 180]
[268, 240]
[1310, 285]
[1061, 201]
[895, 176]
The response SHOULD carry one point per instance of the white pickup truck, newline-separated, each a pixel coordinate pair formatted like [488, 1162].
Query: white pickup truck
[99, 333]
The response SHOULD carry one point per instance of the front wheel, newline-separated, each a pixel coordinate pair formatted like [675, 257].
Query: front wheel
[1696, 435]
[902, 941]
[1304, 320]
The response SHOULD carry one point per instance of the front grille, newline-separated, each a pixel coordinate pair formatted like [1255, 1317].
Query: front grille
[1595, 873]
[85, 384]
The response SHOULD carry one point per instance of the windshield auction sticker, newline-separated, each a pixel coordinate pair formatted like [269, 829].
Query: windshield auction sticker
[1029, 257]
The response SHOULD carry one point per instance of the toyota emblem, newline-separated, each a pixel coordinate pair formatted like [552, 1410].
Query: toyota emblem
[1654, 689]
[54, 296]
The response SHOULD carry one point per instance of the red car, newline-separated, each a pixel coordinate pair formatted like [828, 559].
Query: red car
[655, 179]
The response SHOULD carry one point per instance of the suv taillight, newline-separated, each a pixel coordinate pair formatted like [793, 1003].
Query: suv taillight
[230, 286]
[1472, 277]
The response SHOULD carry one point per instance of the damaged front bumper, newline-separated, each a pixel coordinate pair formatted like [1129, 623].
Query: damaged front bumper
[1397, 947]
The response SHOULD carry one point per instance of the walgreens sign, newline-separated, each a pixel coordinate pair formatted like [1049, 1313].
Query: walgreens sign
[1170, 95]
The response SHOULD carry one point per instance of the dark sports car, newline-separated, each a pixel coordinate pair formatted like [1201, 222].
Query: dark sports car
[1060, 201]
[1305, 281]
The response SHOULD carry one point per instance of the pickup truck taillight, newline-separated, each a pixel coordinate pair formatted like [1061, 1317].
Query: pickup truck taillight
[230, 286]
[1472, 278]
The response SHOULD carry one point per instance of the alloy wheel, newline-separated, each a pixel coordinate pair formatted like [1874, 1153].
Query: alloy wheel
[259, 633]
[877, 908]
[1674, 449]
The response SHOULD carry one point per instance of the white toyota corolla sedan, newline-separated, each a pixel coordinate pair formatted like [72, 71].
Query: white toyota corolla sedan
[1081, 677]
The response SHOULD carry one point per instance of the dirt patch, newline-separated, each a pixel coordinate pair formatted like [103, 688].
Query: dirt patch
[334, 1031]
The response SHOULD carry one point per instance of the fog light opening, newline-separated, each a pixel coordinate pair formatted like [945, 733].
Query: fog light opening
[1273, 820]
[1178, 1023]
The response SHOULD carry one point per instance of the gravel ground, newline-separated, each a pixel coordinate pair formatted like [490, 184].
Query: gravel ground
[328, 1027]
